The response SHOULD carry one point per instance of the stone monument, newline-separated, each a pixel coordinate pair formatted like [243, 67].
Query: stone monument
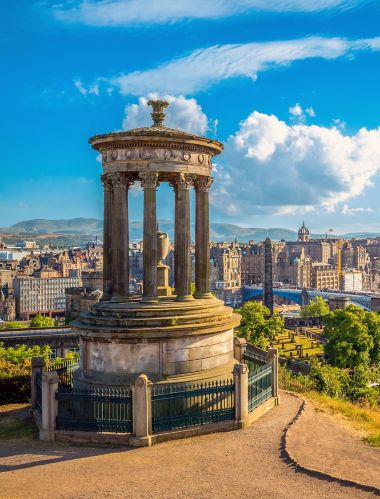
[170, 338]
[268, 275]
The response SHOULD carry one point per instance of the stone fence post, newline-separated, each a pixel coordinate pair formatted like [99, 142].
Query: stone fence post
[241, 394]
[142, 412]
[240, 346]
[37, 367]
[273, 357]
[49, 405]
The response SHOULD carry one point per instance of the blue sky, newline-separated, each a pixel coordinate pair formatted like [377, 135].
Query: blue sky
[292, 90]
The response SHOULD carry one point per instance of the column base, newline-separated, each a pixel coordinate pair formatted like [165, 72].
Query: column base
[204, 296]
[185, 298]
[120, 299]
[149, 299]
[140, 441]
[105, 297]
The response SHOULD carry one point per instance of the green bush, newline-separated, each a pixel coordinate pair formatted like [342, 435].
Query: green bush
[42, 321]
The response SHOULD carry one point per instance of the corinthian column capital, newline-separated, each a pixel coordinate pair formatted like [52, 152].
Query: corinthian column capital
[106, 181]
[203, 184]
[149, 179]
[183, 181]
[120, 181]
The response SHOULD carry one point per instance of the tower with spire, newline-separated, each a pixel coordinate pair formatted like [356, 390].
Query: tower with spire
[303, 233]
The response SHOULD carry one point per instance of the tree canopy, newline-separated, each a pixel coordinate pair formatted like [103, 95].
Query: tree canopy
[257, 326]
[353, 337]
[317, 307]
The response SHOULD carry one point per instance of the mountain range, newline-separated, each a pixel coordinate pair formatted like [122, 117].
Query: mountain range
[87, 228]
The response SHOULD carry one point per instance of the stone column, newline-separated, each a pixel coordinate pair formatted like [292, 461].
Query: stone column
[107, 232]
[182, 254]
[37, 368]
[149, 182]
[241, 394]
[273, 357]
[202, 238]
[268, 275]
[120, 237]
[49, 405]
[142, 412]
[240, 347]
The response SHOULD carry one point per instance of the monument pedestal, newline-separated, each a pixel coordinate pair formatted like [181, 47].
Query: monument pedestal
[170, 342]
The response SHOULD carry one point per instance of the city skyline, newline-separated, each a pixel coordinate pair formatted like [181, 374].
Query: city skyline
[292, 93]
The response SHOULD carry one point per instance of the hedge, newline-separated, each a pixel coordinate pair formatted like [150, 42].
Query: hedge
[15, 389]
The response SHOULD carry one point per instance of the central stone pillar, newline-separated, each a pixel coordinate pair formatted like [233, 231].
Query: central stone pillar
[182, 247]
[120, 237]
[149, 182]
[202, 238]
[107, 230]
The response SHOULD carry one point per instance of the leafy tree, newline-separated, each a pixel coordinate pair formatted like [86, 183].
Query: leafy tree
[330, 380]
[352, 337]
[316, 308]
[42, 321]
[15, 361]
[258, 327]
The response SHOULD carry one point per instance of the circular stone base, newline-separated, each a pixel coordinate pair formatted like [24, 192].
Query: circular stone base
[169, 341]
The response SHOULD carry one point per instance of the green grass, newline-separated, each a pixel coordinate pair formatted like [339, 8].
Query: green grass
[366, 420]
[292, 347]
[12, 425]
[14, 429]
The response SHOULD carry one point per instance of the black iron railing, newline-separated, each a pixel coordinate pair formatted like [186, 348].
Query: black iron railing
[38, 391]
[65, 370]
[260, 385]
[179, 406]
[288, 380]
[99, 410]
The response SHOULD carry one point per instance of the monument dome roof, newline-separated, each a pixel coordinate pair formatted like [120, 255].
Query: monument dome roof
[157, 130]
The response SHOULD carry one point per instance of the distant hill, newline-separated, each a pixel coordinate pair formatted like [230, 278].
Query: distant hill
[42, 226]
[84, 229]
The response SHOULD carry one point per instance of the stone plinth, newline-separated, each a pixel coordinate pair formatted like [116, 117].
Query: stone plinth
[338, 302]
[169, 341]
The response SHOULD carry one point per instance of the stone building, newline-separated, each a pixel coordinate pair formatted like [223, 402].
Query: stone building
[79, 300]
[303, 233]
[7, 304]
[92, 280]
[294, 268]
[324, 276]
[41, 295]
[226, 274]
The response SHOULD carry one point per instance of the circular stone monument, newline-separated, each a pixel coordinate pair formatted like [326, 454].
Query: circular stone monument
[170, 338]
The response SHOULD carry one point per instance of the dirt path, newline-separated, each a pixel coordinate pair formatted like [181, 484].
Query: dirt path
[244, 463]
[336, 451]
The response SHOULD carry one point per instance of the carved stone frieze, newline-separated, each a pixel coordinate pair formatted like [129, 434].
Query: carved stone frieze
[154, 153]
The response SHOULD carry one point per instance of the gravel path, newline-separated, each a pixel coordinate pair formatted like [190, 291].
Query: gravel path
[244, 463]
[336, 450]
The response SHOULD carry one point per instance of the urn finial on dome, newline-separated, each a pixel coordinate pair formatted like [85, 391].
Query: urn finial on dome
[158, 114]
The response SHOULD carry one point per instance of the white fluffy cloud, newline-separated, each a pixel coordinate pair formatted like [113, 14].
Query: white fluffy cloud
[185, 114]
[130, 12]
[300, 115]
[207, 66]
[347, 210]
[269, 166]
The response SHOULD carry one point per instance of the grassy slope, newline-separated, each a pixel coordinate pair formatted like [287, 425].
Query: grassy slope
[12, 425]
